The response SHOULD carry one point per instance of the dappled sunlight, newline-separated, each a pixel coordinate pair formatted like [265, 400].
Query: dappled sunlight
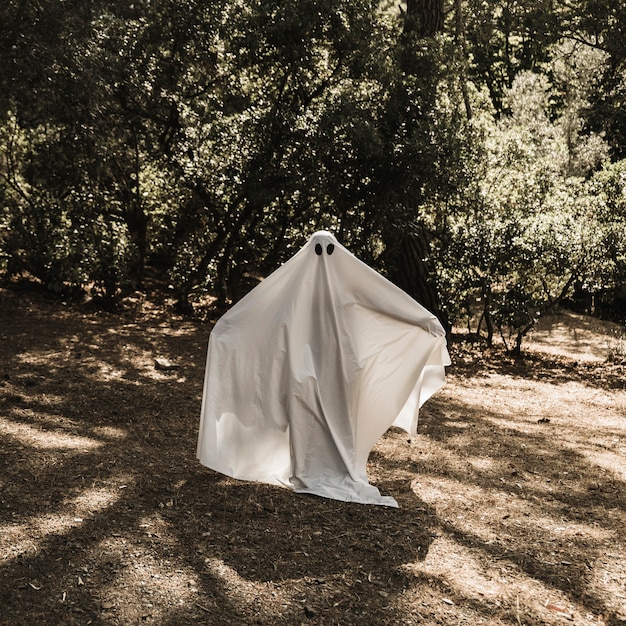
[35, 437]
[439, 459]
[458, 423]
[570, 532]
[540, 397]
[164, 376]
[519, 521]
[142, 361]
[462, 569]
[51, 357]
[127, 370]
[109, 432]
[142, 581]
[608, 428]
[612, 462]
[537, 399]
[573, 335]
[428, 597]
[467, 575]
[497, 545]
[608, 581]
[154, 526]
[483, 464]
[539, 424]
[510, 496]
[134, 361]
[244, 592]
[106, 372]
[28, 536]
[464, 508]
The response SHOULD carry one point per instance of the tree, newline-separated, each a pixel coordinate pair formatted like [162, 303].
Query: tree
[507, 37]
[534, 233]
[448, 146]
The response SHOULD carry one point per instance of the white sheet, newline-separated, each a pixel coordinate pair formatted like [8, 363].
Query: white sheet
[307, 371]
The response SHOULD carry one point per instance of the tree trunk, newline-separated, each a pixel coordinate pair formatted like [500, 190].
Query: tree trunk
[407, 263]
[424, 17]
[407, 249]
[486, 293]
[137, 220]
[461, 46]
[137, 223]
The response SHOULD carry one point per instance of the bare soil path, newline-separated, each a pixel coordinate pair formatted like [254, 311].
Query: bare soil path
[512, 496]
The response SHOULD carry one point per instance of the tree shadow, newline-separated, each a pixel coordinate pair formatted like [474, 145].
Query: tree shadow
[106, 516]
[565, 492]
[104, 503]
[557, 370]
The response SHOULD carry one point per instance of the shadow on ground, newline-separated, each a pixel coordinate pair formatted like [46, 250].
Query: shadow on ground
[107, 518]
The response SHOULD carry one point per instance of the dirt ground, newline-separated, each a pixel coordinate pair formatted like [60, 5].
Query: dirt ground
[512, 496]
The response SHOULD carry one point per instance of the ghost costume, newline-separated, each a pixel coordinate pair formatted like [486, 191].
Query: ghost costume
[308, 370]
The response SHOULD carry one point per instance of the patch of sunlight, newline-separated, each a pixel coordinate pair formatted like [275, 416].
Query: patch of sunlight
[472, 510]
[525, 399]
[27, 537]
[613, 402]
[482, 464]
[440, 460]
[461, 505]
[154, 526]
[140, 361]
[460, 566]
[520, 404]
[34, 437]
[155, 374]
[567, 531]
[110, 432]
[614, 463]
[107, 373]
[572, 335]
[142, 581]
[423, 604]
[181, 331]
[228, 574]
[608, 581]
[245, 592]
[34, 357]
[93, 501]
[456, 424]
[471, 574]
[447, 491]
[601, 418]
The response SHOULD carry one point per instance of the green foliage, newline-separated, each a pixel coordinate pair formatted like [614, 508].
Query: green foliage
[616, 349]
[607, 272]
[536, 229]
[208, 140]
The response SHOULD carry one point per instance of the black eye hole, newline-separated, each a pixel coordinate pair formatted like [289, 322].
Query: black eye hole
[330, 248]
[318, 249]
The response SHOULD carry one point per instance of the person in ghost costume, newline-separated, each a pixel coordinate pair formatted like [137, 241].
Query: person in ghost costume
[310, 368]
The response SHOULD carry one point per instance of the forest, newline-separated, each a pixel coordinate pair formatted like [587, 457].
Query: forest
[158, 158]
[473, 152]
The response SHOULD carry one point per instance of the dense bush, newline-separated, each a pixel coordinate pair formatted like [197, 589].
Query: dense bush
[464, 154]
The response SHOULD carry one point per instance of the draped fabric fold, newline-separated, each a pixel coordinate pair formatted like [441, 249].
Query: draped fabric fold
[307, 372]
